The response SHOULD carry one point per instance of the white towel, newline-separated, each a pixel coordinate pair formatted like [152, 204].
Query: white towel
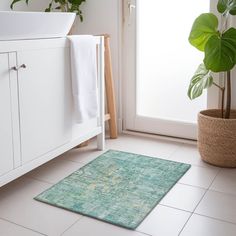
[84, 76]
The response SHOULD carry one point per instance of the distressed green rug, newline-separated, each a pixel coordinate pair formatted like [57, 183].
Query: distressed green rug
[117, 187]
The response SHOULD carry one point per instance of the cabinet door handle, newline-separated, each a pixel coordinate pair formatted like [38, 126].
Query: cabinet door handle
[15, 68]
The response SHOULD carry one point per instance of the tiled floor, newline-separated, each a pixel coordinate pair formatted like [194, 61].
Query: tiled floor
[202, 203]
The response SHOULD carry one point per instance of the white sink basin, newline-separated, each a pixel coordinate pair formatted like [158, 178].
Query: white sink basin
[34, 25]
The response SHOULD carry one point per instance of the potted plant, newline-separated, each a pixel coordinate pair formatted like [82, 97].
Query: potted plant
[62, 5]
[216, 127]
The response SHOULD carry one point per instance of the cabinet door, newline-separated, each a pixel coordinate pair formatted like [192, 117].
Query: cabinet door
[45, 101]
[6, 139]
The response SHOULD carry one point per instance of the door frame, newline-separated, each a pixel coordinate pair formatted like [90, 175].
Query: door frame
[134, 122]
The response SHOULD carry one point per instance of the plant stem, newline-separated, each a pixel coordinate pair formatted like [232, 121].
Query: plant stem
[222, 102]
[222, 89]
[67, 6]
[224, 21]
[218, 86]
[228, 96]
[63, 7]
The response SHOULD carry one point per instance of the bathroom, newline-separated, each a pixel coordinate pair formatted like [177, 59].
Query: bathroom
[148, 177]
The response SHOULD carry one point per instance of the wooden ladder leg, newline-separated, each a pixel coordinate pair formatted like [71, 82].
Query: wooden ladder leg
[110, 91]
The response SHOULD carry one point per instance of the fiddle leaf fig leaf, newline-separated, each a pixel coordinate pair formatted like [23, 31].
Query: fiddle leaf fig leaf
[49, 8]
[220, 51]
[222, 6]
[225, 6]
[15, 1]
[230, 37]
[63, 5]
[204, 27]
[233, 9]
[201, 80]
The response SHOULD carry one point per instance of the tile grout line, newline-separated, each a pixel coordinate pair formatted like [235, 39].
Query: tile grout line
[143, 233]
[171, 208]
[205, 166]
[175, 150]
[211, 217]
[29, 177]
[199, 202]
[226, 193]
[192, 213]
[182, 146]
[80, 162]
[185, 223]
[72, 225]
[175, 208]
[214, 179]
[103, 222]
[39, 180]
[63, 159]
[22, 226]
[190, 185]
[47, 182]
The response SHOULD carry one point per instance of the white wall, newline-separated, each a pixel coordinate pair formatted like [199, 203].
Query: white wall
[34, 5]
[4, 5]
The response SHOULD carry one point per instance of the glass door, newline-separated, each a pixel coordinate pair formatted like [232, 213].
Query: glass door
[159, 63]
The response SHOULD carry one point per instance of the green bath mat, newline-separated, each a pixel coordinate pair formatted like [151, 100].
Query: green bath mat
[117, 187]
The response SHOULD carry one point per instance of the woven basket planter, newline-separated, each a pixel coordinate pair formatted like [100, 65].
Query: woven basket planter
[217, 138]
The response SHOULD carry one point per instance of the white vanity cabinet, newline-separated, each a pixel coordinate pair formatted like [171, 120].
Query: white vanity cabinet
[6, 136]
[37, 122]
[44, 100]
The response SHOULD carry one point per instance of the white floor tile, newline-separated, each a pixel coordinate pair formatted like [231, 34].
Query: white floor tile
[55, 170]
[144, 146]
[18, 206]
[188, 153]
[82, 155]
[164, 221]
[199, 176]
[10, 229]
[127, 143]
[204, 226]
[225, 181]
[183, 197]
[90, 227]
[218, 205]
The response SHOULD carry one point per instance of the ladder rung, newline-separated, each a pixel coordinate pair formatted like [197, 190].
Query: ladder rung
[107, 117]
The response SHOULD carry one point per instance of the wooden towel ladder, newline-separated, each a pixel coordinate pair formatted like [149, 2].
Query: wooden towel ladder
[110, 91]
